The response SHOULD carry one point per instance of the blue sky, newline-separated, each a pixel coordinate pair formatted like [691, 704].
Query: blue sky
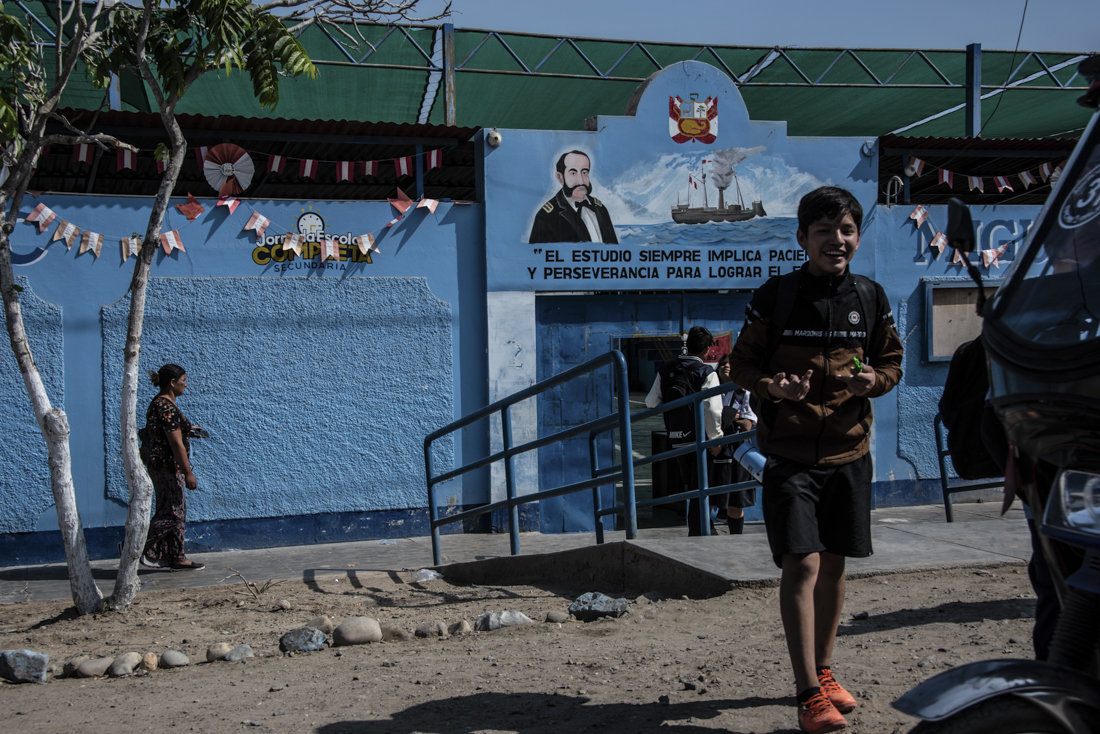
[1051, 25]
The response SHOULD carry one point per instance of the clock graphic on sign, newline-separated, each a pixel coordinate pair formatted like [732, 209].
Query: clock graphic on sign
[311, 223]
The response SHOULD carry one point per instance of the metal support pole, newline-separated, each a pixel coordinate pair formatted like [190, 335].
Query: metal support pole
[450, 108]
[701, 469]
[973, 90]
[433, 511]
[594, 461]
[510, 479]
[626, 447]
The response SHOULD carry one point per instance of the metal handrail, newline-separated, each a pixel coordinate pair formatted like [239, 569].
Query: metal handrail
[943, 453]
[619, 419]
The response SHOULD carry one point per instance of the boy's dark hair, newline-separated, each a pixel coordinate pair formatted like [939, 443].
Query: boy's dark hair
[699, 340]
[561, 161]
[828, 202]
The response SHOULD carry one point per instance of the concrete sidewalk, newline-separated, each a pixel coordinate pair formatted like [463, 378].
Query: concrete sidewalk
[905, 538]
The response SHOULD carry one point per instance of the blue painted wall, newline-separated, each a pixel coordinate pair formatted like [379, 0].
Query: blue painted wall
[318, 382]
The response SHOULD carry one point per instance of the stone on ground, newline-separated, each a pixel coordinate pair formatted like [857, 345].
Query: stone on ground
[594, 605]
[175, 659]
[24, 666]
[357, 631]
[496, 620]
[557, 616]
[460, 628]
[238, 653]
[217, 651]
[94, 668]
[393, 633]
[435, 628]
[72, 665]
[303, 639]
[149, 662]
[124, 664]
[323, 623]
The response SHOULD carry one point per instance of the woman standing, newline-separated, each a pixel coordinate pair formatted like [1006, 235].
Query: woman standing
[737, 417]
[168, 431]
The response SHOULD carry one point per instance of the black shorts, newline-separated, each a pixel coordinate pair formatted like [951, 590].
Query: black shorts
[812, 509]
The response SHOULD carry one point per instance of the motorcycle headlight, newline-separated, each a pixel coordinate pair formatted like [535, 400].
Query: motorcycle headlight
[1074, 505]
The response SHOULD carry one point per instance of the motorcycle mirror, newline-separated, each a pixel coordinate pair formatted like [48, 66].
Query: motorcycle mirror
[960, 227]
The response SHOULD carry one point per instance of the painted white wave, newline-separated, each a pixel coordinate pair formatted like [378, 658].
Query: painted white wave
[647, 191]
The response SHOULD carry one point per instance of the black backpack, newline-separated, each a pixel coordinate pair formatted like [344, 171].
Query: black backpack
[680, 378]
[975, 437]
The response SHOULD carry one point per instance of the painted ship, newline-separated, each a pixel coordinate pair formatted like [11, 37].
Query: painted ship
[686, 214]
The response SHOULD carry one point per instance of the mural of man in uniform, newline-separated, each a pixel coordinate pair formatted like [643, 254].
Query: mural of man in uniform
[573, 215]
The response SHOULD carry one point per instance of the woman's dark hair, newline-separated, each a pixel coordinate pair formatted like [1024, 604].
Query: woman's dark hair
[828, 202]
[165, 375]
[725, 359]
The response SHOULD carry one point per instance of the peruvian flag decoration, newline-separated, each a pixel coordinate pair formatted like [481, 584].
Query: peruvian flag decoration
[1044, 171]
[91, 241]
[345, 171]
[1027, 178]
[435, 158]
[162, 163]
[43, 215]
[82, 153]
[259, 223]
[957, 258]
[125, 158]
[67, 233]
[229, 169]
[1002, 184]
[692, 182]
[394, 221]
[329, 248]
[293, 241]
[130, 246]
[370, 168]
[200, 155]
[307, 168]
[918, 164]
[275, 163]
[365, 243]
[404, 166]
[976, 183]
[230, 202]
[171, 241]
[947, 177]
[938, 243]
[429, 204]
[401, 203]
[920, 214]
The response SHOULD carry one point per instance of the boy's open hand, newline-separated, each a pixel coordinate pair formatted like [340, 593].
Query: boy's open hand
[790, 387]
[861, 382]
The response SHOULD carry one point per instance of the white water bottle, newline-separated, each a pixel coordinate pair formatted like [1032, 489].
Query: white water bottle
[750, 457]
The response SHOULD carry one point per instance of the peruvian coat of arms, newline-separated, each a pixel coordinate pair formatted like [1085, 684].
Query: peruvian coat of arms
[692, 119]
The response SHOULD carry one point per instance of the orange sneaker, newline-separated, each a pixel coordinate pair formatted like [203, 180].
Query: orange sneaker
[840, 698]
[818, 715]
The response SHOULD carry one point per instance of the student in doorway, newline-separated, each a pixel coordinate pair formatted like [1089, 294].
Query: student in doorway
[816, 346]
[686, 375]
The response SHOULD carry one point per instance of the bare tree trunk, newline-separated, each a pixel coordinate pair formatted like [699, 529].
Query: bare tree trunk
[55, 430]
[141, 486]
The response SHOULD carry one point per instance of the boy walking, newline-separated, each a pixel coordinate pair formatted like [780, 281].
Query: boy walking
[816, 346]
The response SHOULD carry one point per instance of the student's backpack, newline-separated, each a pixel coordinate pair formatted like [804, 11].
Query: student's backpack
[972, 425]
[681, 378]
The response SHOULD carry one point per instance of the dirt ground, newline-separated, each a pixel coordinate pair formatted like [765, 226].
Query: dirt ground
[694, 664]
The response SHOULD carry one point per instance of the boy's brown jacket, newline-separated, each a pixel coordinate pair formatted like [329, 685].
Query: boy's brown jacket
[826, 328]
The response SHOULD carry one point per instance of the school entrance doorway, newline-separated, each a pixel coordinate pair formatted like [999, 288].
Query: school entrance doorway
[646, 328]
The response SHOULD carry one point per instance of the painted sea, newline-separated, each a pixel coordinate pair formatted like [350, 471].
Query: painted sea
[765, 232]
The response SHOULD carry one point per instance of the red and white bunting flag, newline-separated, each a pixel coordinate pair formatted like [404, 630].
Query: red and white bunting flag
[307, 168]
[91, 241]
[365, 243]
[1002, 184]
[401, 202]
[130, 246]
[43, 215]
[293, 241]
[1027, 178]
[82, 153]
[404, 166]
[1045, 170]
[171, 241]
[920, 214]
[67, 233]
[916, 163]
[200, 156]
[275, 163]
[394, 221]
[938, 243]
[229, 201]
[429, 204]
[125, 158]
[435, 158]
[330, 248]
[691, 182]
[1057, 170]
[161, 165]
[976, 183]
[257, 222]
[370, 168]
[957, 258]
[345, 171]
[947, 177]
[989, 256]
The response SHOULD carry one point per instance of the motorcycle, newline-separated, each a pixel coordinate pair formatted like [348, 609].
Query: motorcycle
[1041, 333]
